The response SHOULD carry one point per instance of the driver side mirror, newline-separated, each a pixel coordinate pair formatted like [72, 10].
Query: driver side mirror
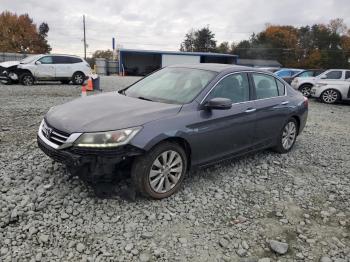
[218, 103]
[38, 63]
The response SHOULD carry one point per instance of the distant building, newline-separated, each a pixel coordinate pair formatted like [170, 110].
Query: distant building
[259, 63]
[143, 62]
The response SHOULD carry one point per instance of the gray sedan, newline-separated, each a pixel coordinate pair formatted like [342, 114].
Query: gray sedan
[178, 118]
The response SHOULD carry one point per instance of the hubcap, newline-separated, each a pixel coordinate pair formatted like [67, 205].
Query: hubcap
[78, 79]
[330, 96]
[288, 136]
[166, 171]
[27, 80]
[306, 91]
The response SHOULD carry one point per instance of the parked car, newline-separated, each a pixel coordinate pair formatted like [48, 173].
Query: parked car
[64, 68]
[305, 84]
[175, 119]
[287, 72]
[331, 92]
[304, 73]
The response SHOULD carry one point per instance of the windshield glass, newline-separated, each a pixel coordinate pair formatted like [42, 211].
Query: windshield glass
[29, 59]
[171, 85]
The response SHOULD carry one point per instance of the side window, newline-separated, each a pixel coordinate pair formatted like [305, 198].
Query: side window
[61, 60]
[265, 86]
[234, 87]
[75, 60]
[334, 75]
[347, 74]
[306, 74]
[46, 60]
[281, 88]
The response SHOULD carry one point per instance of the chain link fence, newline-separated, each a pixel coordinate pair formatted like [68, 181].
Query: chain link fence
[11, 56]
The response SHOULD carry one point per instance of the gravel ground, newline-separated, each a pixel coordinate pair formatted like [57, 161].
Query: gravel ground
[261, 207]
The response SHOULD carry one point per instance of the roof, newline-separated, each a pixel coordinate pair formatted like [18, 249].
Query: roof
[259, 62]
[216, 67]
[175, 52]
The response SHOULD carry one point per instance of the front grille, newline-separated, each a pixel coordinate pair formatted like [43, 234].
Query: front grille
[53, 135]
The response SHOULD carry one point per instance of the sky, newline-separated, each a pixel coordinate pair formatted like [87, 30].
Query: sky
[162, 24]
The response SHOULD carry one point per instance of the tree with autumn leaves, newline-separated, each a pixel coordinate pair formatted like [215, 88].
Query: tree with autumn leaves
[18, 34]
[316, 46]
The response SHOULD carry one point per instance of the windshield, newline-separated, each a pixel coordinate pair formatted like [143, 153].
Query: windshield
[29, 59]
[171, 85]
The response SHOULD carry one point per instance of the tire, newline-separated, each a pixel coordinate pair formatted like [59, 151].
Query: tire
[288, 133]
[65, 82]
[149, 176]
[330, 96]
[27, 79]
[306, 90]
[78, 78]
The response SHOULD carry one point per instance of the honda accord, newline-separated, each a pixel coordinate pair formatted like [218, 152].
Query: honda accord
[175, 119]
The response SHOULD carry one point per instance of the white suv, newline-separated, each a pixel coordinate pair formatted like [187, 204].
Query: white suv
[64, 68]
[305, 84]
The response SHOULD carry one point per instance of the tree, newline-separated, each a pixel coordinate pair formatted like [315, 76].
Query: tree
[224, 47]
[107, 54]
[18, 33]
[202, 40]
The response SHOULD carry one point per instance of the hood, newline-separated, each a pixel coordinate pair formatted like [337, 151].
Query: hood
[9, 64]
[105, 112]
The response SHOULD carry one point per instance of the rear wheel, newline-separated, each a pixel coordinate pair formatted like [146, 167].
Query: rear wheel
[287, 137]
[306, 90]
[78, 78]
[27, 79]
[160, 172]
[330, 96]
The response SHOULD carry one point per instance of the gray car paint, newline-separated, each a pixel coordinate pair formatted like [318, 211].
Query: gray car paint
[211, 135]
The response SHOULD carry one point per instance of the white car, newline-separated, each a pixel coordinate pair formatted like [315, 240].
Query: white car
[332, 91]
[64, 68]
[305, 84]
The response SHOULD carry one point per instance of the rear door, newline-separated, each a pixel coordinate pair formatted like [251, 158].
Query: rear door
[45, 70]
[63, 66]
[271, 105]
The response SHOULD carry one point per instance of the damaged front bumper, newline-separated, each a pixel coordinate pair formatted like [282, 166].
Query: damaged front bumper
[7, 76]
[91, 165]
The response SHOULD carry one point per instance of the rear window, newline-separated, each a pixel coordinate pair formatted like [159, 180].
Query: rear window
[66, 60]
[75, 60]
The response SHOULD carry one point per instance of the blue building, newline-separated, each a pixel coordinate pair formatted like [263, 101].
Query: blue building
[142, 62]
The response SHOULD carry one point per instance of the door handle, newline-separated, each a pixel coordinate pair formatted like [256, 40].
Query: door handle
[250, 110]
[285, 103]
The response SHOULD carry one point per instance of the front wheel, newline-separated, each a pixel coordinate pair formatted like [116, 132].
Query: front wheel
[27, 79]
[159, 173]
[330, 96]
[287, 137]
[306, 90]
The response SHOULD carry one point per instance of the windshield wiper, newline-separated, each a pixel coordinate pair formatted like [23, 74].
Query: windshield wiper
[144, 98]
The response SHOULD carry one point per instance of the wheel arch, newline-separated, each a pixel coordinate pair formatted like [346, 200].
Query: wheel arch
[297, 118]
[305, 84]
[78, 71]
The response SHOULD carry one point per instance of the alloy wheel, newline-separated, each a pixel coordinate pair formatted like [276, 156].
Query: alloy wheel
[79, 79]
[330, 96]
[165, 171]
[306, 91]
[289, 135]
[28, 80]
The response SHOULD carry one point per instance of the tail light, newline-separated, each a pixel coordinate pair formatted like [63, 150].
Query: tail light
[306, 102]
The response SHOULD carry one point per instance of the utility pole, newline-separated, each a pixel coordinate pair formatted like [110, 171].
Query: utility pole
[84, 37]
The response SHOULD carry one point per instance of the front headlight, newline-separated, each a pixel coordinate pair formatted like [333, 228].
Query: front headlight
[107, 139]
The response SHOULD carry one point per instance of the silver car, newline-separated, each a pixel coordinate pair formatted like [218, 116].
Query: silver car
[332, 91]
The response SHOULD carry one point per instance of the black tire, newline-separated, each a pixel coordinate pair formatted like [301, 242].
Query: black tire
[65, 82]
[330, 96]
[306, 90]
[78, 78]
[142, 165]
[280, 148]
[27, 79]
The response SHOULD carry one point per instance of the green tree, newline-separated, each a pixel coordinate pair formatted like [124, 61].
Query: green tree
[202, 40]
[224, 48]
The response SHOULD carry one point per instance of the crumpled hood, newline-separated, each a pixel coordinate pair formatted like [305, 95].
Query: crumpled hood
[9, 64]
[105, 112]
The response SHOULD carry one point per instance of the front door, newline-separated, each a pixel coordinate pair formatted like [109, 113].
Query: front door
[45, 69]
[225, 132]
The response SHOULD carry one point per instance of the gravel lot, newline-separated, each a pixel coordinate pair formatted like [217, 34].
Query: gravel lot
[240, 210]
